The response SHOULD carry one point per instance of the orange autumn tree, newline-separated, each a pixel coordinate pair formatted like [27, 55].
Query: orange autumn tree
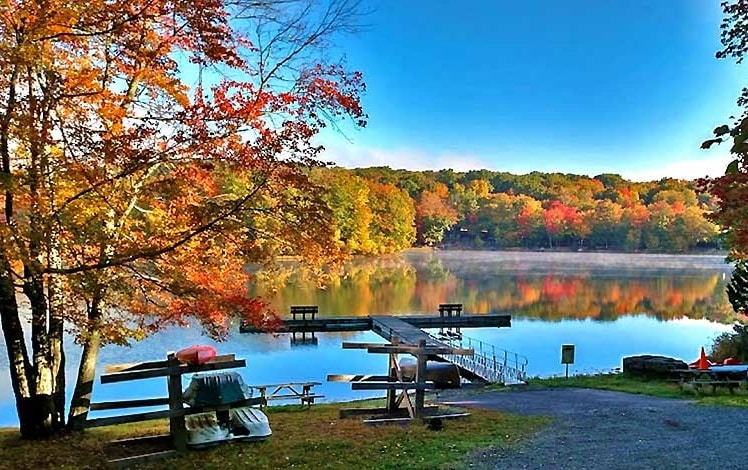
[150, 149]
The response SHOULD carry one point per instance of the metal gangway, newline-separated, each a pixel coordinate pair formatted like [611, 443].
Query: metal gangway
[492, 364]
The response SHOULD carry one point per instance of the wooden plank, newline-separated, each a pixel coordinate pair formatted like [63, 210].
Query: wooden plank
[420, 379]
[111, 369]
[114, 405]
[158, 438]
[177, 426]
[221, 358]
[286, 384]
[389, 328]
[134, 375]
[311, 398]
[450, 306]
[290, 396]
[349, 412]
[447, 416]
[392, 370]
[354, 412]
[463, 321]
[131, 418]
[318, 324]
[352, 345]
[428, 350]
[164, 371]
[304, 309]
[210, 366]
[356, 378]
[375, 421]
[149, 415]
[127, 462]
[329, 324]
[114, 368]
[392, 385]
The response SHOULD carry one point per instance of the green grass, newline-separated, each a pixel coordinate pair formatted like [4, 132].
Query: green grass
[302, 438]
[653, 387]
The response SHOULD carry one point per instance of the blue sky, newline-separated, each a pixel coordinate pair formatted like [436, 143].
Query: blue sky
[575, 86]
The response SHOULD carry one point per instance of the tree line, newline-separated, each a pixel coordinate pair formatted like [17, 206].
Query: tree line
[382, 210]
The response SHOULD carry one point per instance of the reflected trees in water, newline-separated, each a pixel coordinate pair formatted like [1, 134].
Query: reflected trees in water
[664, 287]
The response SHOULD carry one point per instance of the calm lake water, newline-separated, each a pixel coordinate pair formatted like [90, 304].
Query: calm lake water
[608, 305]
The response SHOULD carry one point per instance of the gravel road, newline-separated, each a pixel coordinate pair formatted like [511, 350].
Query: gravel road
[596, 429]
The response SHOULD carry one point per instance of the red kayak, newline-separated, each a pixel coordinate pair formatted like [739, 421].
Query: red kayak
[196, 354]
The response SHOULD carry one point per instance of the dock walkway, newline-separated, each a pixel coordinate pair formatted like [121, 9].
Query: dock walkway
[406, 331]
[389, 327]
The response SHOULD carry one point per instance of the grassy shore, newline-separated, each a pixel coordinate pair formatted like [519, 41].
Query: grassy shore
[316, 438]
[653, 387]
[302, 438]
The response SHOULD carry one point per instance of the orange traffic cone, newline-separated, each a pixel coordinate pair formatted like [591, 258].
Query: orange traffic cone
[703, 362]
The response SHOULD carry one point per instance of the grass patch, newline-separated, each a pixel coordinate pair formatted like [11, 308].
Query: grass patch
[314, 438]
[653, 387]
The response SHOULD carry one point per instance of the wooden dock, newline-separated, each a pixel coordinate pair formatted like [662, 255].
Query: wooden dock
[403, 330]
[333, 324]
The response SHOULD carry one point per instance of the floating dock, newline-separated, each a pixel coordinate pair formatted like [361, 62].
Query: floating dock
[331, 324]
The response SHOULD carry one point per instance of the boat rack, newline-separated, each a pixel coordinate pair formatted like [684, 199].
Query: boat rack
[176, 441]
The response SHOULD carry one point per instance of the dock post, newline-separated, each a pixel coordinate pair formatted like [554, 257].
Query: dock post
[458, 313]
[393, 377]
[420, 378]
[177, 427]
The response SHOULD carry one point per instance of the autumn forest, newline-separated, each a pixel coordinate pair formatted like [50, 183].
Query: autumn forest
[381, 210]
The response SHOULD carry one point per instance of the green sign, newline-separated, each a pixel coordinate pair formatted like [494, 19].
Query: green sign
[567, 354]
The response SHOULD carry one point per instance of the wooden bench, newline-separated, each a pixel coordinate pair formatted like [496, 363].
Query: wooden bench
[304, 312]
[301, 391]
[697, 385]
[450, 310]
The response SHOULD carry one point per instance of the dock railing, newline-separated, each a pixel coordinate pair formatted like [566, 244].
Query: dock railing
[493, 364]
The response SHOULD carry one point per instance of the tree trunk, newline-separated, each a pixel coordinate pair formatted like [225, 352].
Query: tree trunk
[39, 407]
[81, 400]
[55, 301]
[56, 351]
[18, 357]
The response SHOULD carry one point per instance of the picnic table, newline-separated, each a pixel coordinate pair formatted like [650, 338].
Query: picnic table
[729, 377]
[289, 391]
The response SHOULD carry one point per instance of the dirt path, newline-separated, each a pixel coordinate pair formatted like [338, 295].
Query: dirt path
[596, 429]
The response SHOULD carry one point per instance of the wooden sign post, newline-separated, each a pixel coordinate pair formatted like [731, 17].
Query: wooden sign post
[567, 356]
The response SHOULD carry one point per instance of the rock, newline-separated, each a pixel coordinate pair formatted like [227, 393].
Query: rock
[652, 366]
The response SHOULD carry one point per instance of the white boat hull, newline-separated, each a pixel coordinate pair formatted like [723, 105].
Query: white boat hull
[246, 424]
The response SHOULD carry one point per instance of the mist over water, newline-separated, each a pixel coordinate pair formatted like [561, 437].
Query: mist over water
[608, 305]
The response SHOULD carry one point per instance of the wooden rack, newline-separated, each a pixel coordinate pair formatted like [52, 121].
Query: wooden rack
[397, 388]
[173, 370]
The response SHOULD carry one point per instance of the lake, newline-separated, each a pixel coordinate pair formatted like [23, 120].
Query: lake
[608, 305]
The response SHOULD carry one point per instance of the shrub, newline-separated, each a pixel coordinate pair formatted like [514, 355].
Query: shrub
[731, 344]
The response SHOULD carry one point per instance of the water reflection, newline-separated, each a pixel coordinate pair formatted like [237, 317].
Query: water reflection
[548, 286]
